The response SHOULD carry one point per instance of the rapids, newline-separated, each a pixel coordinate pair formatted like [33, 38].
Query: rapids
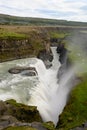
[42, 90]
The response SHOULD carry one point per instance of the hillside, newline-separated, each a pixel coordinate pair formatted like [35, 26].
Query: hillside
[14, 20]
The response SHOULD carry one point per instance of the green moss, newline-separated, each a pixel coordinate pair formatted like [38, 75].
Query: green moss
[23, 112]
[58, 34]
[20, 128]
[49, 125]
[11, 35]
[75, 113]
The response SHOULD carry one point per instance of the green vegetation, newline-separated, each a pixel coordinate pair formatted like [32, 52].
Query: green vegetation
[49, 125]
[78, 56]
[75, 113]
[23, 112]
[19, 42]
[20, 128]
[13, 20]
[11, 35]
[58, 34]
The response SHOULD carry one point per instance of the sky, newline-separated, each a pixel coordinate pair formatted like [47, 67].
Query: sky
[72, 10]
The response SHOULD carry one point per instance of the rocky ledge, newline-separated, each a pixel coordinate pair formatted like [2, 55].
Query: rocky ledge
[12, 112]
[28, 71]
[17, 116]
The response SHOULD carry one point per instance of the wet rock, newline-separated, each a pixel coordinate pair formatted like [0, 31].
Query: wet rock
[17, 114]
[48, 64]
[85, 124]
[56, 40]
[28, 71]
[22, 124]
[20, 116]
[38, 126]
[3, 108]
[7, 120]
[62, 53]
[46, 57]
[66, 64]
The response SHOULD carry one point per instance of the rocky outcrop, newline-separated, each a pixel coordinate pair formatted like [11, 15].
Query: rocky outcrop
[30, 126]
[13, 113]
[28, 71]
[62, 53]
[56, 40]
[11, 49]
[46, 57]
[66, 64]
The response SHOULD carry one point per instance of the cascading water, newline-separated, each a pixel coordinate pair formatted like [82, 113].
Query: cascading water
[42, 91]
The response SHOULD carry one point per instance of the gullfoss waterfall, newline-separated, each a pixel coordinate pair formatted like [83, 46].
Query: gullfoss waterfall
[42, 90]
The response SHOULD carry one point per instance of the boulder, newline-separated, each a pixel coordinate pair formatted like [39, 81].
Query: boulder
[28, 71]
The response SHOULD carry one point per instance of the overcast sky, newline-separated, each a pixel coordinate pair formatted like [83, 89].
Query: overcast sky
[75, 10]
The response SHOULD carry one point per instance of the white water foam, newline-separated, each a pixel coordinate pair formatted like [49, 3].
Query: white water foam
[42, 91]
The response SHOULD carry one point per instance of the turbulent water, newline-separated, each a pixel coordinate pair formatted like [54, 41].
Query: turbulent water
[42, 90]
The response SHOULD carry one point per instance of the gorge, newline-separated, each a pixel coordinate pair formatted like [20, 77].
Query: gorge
[42, 90]
[43, 83]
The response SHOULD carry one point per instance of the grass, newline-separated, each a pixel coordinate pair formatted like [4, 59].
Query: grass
[75, 113]
[20, 128]
[58, 34]
[11, 35]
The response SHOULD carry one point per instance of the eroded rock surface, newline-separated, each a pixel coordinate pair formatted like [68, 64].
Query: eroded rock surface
[28, 71]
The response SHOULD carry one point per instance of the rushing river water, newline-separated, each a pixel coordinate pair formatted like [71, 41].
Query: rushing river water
[42, 90]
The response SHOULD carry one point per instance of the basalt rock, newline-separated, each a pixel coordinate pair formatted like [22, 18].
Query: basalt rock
[66, 64]
[31, 126]
[62, 53]
[13, 113]
[22, 112]
[28, 71]
[46, 57]
[18, 116]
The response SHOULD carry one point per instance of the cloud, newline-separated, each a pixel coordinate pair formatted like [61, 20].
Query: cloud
[57, 9]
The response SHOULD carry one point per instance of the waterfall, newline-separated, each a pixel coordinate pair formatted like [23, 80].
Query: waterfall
[45, 95]
[42, 91]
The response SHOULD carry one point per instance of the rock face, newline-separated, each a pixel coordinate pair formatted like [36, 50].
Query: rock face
[46, 57]
[62, 53]
[13, 113]
[18, 116]
[11, 49]
[28, 71]
[31, 126]
[64, 60]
